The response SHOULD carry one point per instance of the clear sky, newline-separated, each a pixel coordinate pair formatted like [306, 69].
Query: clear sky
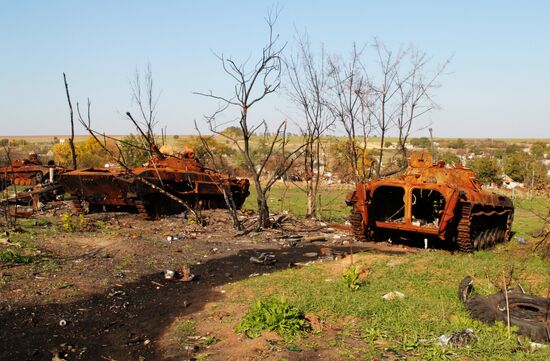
[498, 83]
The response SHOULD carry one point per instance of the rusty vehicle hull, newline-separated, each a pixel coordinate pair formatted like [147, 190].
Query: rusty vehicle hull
[139, 190]
[26, 173]
[432, 202]
[42, 186]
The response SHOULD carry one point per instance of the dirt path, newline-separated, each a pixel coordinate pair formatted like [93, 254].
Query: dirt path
[114, 303]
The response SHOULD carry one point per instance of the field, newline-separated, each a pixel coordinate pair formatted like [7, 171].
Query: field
[92, 287]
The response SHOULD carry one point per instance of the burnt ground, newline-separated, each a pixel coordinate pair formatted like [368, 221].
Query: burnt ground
[99, 293]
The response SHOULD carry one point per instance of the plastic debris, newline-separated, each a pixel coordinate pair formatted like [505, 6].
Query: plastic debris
[169, 274]
[393, 295]
[535, 346]
[62, 323]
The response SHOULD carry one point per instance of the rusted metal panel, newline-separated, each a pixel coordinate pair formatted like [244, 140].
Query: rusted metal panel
[433, 201]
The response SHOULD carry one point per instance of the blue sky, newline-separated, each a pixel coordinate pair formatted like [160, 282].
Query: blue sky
[497, 85]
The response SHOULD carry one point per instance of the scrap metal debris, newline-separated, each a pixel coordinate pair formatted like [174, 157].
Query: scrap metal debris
[458, 339]
[184, 274]
[264, 258]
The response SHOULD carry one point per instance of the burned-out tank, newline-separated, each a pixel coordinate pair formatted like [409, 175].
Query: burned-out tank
[434, 203]
[180, 175]
[27, 172]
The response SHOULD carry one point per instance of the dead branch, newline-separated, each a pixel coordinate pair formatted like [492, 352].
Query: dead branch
[71, 112]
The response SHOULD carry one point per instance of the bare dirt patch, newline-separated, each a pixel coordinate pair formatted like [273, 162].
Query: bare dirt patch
[100, 293]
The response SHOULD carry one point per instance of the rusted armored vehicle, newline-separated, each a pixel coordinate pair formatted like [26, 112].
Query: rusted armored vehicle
[140, 189]
[28, 172]
[433, 203]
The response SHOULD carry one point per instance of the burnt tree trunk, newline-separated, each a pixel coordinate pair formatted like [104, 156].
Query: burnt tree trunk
[71, 139]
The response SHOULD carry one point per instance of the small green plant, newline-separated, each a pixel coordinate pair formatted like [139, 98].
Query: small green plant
[371, 334]
[353, 277]
[10, 255]
[210, 340]
[100, 224]
[186, 328]
[439, 354]
[273, 314]
[82, 221]
[68, 224]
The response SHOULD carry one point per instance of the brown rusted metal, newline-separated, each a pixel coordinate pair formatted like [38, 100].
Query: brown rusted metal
[27, 172]
[36, 196]
[431, 201]
[31, 172]
[180, 175]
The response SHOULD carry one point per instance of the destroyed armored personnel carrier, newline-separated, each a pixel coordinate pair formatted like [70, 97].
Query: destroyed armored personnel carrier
[433, 203]
[27, 172]
[154, 188]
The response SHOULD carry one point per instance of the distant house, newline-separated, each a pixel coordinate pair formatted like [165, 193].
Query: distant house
[509, 183]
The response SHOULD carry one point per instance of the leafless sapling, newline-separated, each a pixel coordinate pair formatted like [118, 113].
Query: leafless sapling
[251, 86]
[307, 73]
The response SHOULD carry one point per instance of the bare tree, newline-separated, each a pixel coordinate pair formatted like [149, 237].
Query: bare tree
[415, 94]
[308, 85]
[251, 86]
[143, 95]
[392, 91]
[348, 104]
[383, 106]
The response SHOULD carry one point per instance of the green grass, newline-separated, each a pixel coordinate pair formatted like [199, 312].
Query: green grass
[186, 328]
[293, 199]
[431, 306]
[411, 326]
[529, 213]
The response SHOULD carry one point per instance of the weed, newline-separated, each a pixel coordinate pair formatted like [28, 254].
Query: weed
[273, 314]
[100, 224]
[82, 222]
[186, 328]
[10, 255]
[353, 277]
[408, 344]
[202, 356]
[68, 224]
[371, 334]
[210, 340]
[437, 354]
